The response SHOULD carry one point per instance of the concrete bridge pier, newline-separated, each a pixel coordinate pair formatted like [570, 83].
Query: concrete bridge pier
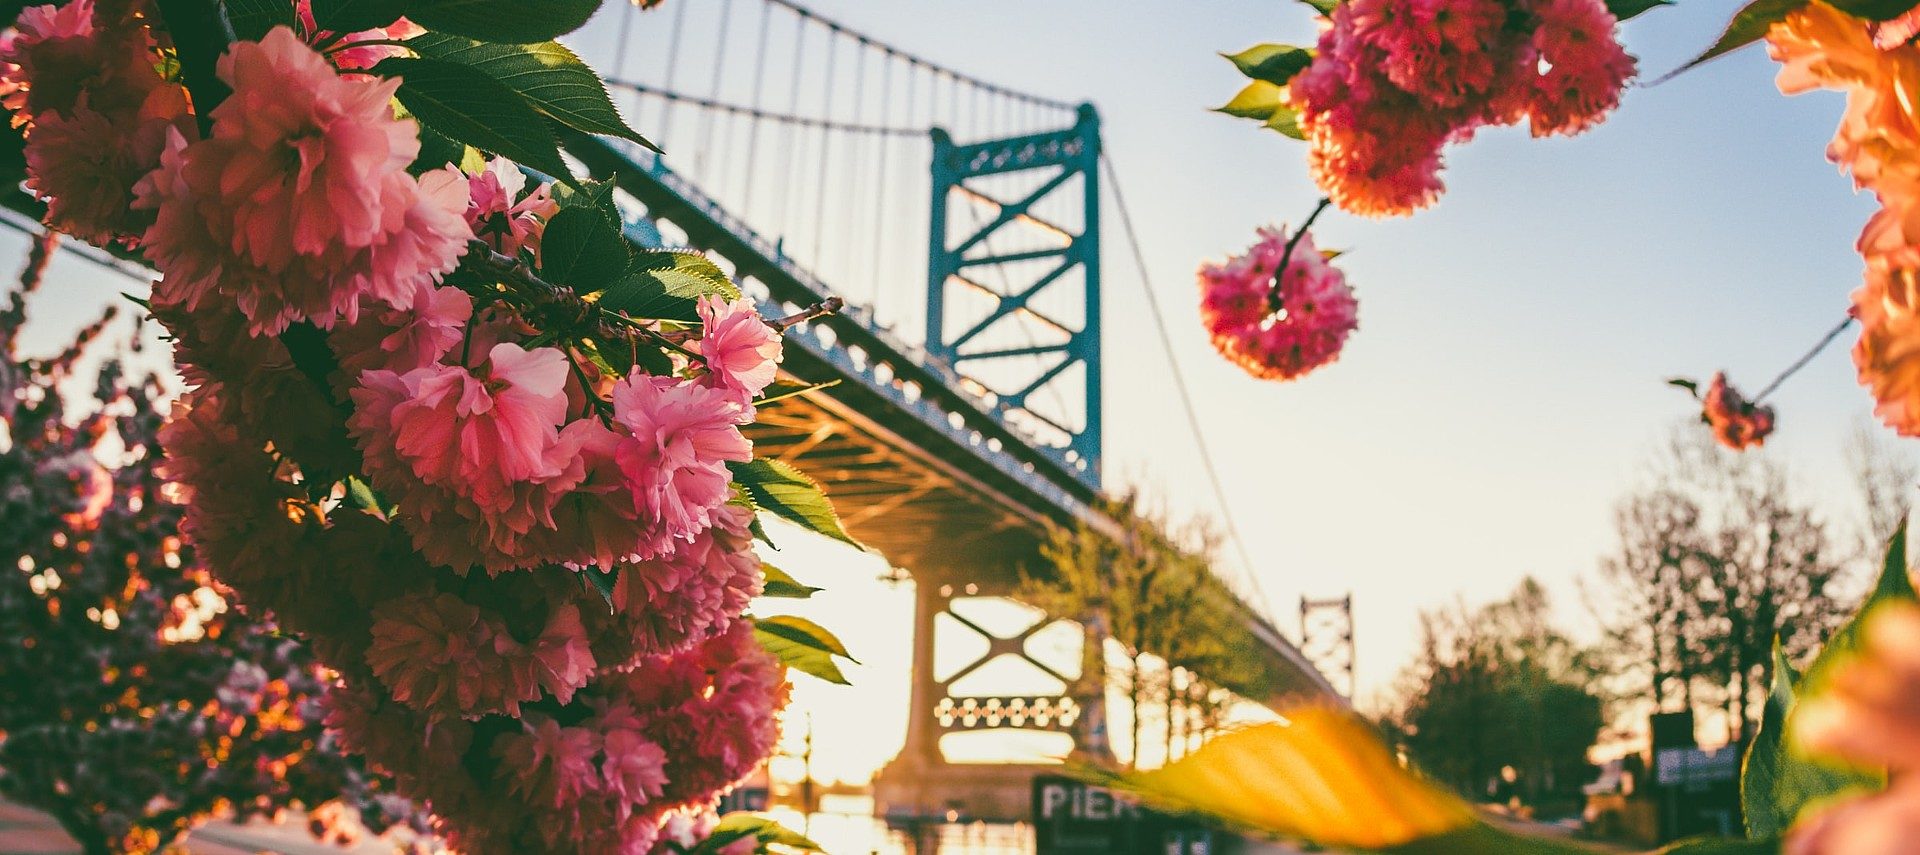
[921, 782]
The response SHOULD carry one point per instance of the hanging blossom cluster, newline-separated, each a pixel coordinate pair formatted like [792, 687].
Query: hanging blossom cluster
[1394, 81]
[1878, 142]
[1278, 327]
[1736, 423]
[524, 555]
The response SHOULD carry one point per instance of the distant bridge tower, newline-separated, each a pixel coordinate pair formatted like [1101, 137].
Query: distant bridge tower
[1326, 639]
[1008, 317]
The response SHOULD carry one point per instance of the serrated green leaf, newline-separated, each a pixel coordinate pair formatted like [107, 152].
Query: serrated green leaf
[778, 487]
[551, 78]
[1624, 9]
[666, 284]
[436, 150]
[802, 645]
[740, 825]
[1275, 64]
[602, 583]
[1746, 27]
[780, 584]
[581, 249]
[349, 16]
[597, 195]
[1776, 786]
[469, 107]
[1257, 100]
[251, 19]
[507, 21]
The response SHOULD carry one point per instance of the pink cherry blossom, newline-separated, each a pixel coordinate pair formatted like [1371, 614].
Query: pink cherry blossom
[503, 213]
[683, 435]
[401, 340]
[741, 352]
[1586, 66]
[635, 767]
[562, 662]
[300, 205]
[693, 592]
[1316, 309]
[440, 652]
[551, 765]
[1737, 423]
[480, 431]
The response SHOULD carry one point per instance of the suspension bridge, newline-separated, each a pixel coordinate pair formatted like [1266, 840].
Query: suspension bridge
[961, 222]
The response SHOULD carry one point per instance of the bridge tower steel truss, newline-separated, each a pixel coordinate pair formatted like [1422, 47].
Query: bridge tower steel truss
[1073, 152]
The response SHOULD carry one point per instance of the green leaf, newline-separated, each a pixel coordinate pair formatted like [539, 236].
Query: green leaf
[1324, 7]
[802, 645]
[510, 21]
[1893, 585]
[1286, 120]
[742, 500]
[361, 495]
[1275, 64]
[597, 195]
[740, 825]
[472, 108]
[1874, 10]
[780, 584]
[1747, 26]
[551, 78]
[1684, 383]
[667, 284]
[1775, 785]
[581, 249]
[602, 583]
[436, 150]
[350, 16]
[1258, 101]
[778, 487]
[1624, 9]
[251, 19]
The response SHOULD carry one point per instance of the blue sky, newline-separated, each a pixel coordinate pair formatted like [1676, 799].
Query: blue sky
[1506, 381]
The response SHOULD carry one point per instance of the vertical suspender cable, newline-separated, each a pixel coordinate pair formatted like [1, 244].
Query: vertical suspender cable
[826, 146]
[759, 85]
[852, 171]
[708, 119]
[673, 63]
[793, 106]
[1186, 396]
[885, 146]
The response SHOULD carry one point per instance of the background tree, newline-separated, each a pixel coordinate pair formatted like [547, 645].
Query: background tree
[1154, 588]
[1495, 687]
[1715, 560]
[134, 702]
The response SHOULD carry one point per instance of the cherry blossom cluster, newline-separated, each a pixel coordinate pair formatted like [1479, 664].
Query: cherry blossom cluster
[135, 701]
[527, 566]
[1394, 81]
[1878, 142]
[1736, 423]
[1278, 327]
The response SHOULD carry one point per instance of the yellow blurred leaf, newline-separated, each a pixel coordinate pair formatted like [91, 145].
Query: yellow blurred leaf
[1321, 776]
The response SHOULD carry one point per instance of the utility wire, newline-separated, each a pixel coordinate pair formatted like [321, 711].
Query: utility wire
[1180, 384]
